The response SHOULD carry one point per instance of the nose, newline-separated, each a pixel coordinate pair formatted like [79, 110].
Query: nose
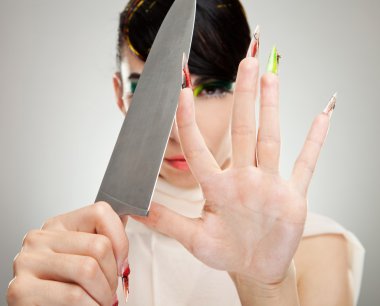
[174, 132]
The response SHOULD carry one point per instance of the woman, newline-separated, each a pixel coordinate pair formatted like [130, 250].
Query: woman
[224, 227]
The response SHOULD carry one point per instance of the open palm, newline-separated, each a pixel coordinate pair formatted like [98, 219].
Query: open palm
[253, 219]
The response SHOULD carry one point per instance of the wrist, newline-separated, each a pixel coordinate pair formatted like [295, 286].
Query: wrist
[254, 292]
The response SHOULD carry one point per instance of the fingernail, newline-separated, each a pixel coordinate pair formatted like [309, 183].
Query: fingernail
[331, 105]
[123, 266]
[125, 280]
[254, 46]
[116, 301]
[186, 79]
[274, 61]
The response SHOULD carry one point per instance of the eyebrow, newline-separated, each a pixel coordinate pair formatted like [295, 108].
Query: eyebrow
[134, 76]
[204, 80]
[198, 80]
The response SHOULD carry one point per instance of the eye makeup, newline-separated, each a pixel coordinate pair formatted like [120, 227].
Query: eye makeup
[207, 89]
[133, 81]
[133, 85]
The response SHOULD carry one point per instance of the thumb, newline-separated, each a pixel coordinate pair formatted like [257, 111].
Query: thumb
[172, 224]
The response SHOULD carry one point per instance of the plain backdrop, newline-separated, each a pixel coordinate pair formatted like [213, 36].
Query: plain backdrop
[59, 120]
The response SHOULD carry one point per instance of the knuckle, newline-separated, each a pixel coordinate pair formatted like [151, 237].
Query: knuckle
[88, 268]
[75, 296]
[269, 139]
[31, 237]
[19, 262]
[101, 246]
[102, 208]
[15, 290]
[50, 223]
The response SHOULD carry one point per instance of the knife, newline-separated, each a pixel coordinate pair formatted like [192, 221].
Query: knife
[132, 172]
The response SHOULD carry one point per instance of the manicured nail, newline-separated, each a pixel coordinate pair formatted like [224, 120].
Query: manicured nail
[123, 266]
[331, 105]
[254, 46]
[116, 301]
[125, 280]
[186, 79]
[274, 61]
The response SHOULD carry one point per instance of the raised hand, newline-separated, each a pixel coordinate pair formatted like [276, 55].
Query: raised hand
[253, 219]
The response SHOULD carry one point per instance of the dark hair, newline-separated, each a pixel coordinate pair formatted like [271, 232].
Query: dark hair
[221, 34]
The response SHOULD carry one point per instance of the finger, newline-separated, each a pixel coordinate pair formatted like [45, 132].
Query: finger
[99, 218]
[268, 138]
[200, 159]
[66, 268]
[306, 162]
[171, 224]
[79, 243]
[243, 128]
[28, 290]
[124, 220]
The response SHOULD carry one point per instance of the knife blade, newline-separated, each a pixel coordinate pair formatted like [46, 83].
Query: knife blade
[132, 172]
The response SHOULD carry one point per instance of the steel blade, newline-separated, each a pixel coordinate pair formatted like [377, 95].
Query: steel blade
[132, 172]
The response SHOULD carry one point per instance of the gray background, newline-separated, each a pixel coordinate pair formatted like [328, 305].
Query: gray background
[59, 121]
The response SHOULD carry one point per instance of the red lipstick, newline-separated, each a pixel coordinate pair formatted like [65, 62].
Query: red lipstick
[179, 162]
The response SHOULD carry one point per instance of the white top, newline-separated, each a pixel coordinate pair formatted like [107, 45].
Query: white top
[164, 273]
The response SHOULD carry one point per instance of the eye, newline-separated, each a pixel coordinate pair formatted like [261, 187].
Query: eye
[133, 86]
[215, 89]
[132, 89]
[212, 91]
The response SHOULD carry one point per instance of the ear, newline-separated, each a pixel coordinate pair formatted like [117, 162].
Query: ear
[118, 88]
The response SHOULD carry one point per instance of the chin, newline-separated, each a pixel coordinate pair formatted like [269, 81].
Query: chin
[182, 183]
[182, 179]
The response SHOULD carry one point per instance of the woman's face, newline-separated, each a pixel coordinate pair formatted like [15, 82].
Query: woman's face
[213, 108]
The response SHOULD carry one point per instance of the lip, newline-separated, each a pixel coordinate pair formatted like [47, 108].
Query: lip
[179, 162]
[176, 157]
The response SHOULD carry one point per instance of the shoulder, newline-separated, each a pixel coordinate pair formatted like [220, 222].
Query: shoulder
[323, 270]
[324, 263]
[321, 251]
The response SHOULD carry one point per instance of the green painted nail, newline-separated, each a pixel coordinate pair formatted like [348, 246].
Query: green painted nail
[273, 61]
